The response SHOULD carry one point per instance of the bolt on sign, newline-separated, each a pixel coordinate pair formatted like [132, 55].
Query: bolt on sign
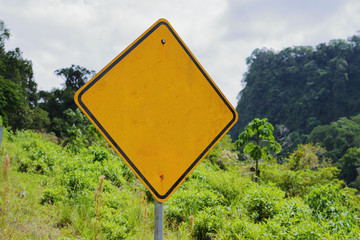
[158, 108]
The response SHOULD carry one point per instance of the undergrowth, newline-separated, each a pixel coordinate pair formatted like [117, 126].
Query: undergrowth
[51, 192]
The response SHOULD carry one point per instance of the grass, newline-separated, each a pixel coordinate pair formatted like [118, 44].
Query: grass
[91, 195]
[22, 215]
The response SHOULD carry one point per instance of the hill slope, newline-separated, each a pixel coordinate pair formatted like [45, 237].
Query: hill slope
[301, 87]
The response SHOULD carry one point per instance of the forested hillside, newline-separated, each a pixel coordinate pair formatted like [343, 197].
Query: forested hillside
[310, 94]
[301, 87]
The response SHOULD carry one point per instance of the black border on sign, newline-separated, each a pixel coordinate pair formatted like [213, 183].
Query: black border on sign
[122, 56]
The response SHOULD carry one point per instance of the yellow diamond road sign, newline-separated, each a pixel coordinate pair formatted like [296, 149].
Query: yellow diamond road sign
[158, 108]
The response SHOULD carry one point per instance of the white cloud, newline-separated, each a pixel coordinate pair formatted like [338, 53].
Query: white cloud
[221, 34]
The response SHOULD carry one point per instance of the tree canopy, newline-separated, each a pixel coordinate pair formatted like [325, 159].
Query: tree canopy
[75, 76]
[21, 105]
[258, 141]
[18, 89]
[301, 87]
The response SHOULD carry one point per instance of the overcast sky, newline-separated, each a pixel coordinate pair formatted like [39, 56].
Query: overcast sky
[54, 34]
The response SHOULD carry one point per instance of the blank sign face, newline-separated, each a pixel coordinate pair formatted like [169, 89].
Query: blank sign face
[158, 108]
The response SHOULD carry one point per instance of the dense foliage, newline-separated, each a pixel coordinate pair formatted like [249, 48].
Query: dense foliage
[301, 87]
[22, 106]
[263, 145]
[95, 196]
[342, 142]
[18, 90]
[310, 94]
[58, 102]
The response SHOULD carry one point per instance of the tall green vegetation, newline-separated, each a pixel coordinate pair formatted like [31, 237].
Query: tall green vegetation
[59, 103]
[58, 193]
[263, 144]
[342, 142]
[301, 87]
[18, 90]
[23, 107]
[311, 95]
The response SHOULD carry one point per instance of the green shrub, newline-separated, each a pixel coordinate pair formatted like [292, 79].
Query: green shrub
[261, 202]
[334, 205]
[114, 224]
[307, 156]
[187, 202]
[52, 195]
[330, 200]
[304, 230]
[213, 203]
[245, 229]
[99, 153]
[209, 221]
[326, 200]
[298, 183]
[231, 184]
[113, 171]
[292, 212]
[114, 231]
[35, 154]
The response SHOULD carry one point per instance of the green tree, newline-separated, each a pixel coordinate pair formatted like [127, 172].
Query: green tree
[41, 118]
[19, 70]
[308, 156]
[301, 87]
[11, 100]
[337, 137]
[57, 102]
[15, 68]
[18, 90]
[4, 35]
[341, 139]
[258, 141]
[75, 76]
[349, 163]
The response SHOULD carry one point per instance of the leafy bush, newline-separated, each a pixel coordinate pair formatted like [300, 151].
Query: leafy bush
[326, 201]
[307, 156]
[261, 202]
[52, 195]
[298, 183]
[334, 205]
[114, 224]
[209, 221]
[113, 230]
[292, 212]
[223, 153]
[36, 155]
[213, 203]
[230, 183]
[187, 202]
[113, 171]
[99, 153]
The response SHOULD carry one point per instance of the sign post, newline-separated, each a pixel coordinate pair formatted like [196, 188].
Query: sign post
[158, 108]
[159, 220]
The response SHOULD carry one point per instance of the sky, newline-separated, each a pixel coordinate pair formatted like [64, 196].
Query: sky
[221, 34]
